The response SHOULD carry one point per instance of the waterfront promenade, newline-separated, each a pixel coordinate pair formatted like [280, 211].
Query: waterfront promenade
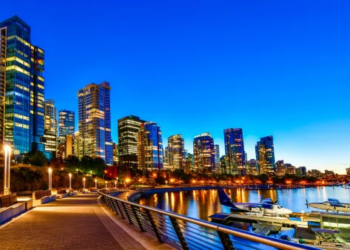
[78, 222]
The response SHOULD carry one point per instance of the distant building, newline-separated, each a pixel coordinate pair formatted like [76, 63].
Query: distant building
[189, 163]
[252, 168]
[66, 124]
[265, 155]
[115, 153]
[203, 152]
[328, 172]
[78, 145]
[280, 170]
[176, 151]
[300, 171]
[95, 121]
[69, 145]
[289, 168]
[234, 150]
[314, 172]
[217, 155]
[21, 78]
[150, 146]
[128, 128]
[50, 129]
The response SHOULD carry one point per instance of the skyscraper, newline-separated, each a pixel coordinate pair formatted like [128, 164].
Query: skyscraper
[265, 155]
[280, 170]
[95, 121]
[176, 151]
[66, 124]
[128, 128]
[234, 150]
[24, 87]
[150, 146]
[203, 152]
[217, 154]
[50, 131]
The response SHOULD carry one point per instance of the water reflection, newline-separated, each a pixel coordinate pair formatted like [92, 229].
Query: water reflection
[203, 203]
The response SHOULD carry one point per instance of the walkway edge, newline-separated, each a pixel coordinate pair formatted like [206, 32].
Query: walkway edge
[150, 242]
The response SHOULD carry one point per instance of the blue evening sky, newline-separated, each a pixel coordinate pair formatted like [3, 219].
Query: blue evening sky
[278, 68]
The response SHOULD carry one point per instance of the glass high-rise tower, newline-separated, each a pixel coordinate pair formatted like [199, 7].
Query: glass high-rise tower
[150, 146]
[50, 132]
[128, 128]
[95, 121]
[176, 151]
[203, 152]
[234, 150]
[265, 155]
[24, 88]
[66, 124]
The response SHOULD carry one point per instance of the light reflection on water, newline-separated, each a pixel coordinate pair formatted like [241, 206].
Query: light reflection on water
[203, 203]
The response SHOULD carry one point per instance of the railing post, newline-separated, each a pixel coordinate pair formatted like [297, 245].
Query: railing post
[179, 234]
[137, 218]
[127, 214]
[115, 207]
[120, 210]
[150, 218]
[225, 240]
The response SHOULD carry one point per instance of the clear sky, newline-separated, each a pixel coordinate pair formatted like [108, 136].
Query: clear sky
[278, 68]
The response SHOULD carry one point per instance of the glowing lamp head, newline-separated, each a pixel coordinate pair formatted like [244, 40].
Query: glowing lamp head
[7, 149]
[50, 170]
[70, 175]
[95, 180]
[84, 179]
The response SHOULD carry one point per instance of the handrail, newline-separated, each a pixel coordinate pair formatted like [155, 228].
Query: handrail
[223, 231]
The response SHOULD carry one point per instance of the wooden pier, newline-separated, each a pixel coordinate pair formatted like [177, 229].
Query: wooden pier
[267, 229]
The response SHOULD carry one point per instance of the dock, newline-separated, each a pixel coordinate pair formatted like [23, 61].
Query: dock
[267, 229]
[226, 217]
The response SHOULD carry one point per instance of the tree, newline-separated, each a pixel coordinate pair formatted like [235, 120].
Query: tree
[71, 163]
[98, 166]
[38, 159]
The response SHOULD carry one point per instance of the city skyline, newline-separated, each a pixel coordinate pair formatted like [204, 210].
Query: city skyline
[303, 121]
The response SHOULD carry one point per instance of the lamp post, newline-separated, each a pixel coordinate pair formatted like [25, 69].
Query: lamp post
[50, 178]
[84, 183]
[106, 183]
[96, 183]
[70, 181]
[7, 172]
[115, 184]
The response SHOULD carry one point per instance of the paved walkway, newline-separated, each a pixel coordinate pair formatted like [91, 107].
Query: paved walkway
[78, 222]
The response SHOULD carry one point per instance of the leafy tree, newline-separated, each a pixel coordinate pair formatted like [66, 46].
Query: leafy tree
[98, 166]
[38, 159]
[71, 163]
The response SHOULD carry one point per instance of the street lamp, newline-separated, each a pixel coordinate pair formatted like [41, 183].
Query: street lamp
[84, 183]
[50, 178]
[70, 181]
[96, 183]
[115, 184]
[7, 172]
[106, 183]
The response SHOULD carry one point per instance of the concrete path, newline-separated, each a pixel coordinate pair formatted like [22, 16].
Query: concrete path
[78, 222]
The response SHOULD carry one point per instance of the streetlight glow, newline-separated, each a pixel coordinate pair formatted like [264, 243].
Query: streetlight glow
[7, 171]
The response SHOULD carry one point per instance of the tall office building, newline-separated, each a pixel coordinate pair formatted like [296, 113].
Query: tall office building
[265, 155]
[66, 124]
[203, 152]
[176, 151]
[252, 168]
[150, 146]
[95, 121]
[289, 169]
[24, 87]
[217, 154]
[50, 131]
[128, 128]
[280, 171]
[234, 150]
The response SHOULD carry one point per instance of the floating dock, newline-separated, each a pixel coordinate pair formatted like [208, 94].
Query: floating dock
[266, 229]
[225, 217]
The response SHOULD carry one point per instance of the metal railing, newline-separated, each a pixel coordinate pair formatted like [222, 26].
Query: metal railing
[183, 232]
